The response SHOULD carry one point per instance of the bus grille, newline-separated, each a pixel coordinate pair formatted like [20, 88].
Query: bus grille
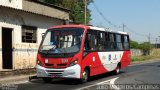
[55, 73]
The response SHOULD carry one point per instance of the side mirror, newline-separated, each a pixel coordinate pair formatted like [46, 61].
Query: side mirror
[42, 35]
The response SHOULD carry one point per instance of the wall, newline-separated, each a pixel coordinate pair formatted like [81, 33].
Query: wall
[136, 52]
[155, 52]
[12, 3]
[24, 54]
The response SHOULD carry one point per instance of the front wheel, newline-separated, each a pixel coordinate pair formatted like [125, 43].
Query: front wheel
[85, 76]
[47, 80]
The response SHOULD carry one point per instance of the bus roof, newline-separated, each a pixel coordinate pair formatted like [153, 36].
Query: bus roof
[90, 27]
[106, 29]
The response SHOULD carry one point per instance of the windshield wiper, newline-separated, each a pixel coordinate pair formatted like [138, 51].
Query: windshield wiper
[49, 51]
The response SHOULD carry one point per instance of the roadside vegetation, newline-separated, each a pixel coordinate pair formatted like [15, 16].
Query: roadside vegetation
[143, 58]
[76, 8]
[147, 49]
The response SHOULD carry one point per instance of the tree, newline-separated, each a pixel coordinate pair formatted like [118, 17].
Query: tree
[134, 44]
[77, 8]
[145, 47]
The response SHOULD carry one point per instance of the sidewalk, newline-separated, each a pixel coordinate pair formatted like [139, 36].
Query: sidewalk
[16, 79]
[16, 76]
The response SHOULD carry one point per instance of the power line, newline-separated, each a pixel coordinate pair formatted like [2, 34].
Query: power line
[116, 26]
[129, 29]
[101, 14]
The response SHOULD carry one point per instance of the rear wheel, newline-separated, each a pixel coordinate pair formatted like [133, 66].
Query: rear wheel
[47, 80]
[117, 71]
[85, 76]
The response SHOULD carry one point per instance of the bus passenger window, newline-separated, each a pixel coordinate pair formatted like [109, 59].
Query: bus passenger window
[91, 41]
[101, 39]
[126, 43]
[86, 44]
[119, 42]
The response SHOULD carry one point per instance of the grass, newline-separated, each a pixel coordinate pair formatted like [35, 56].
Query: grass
[143, 58]
[155, 53]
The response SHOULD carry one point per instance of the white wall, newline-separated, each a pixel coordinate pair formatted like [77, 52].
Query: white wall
[12, 3]
[24, 54]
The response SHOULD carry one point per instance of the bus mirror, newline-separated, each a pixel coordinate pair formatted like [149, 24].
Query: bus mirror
[85, 52]
[43, 34]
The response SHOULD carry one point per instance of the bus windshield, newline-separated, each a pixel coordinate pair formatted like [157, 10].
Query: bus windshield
[62, 40]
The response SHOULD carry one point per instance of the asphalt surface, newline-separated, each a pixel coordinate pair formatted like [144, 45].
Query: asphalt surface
[142, 74]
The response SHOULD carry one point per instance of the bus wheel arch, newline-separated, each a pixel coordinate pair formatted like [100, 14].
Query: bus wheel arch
[85, 74]
[119, 64]
[117, 70]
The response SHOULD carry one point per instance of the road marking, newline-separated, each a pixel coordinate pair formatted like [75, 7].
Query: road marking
[111, 83]
[17, 82]
[21, 82]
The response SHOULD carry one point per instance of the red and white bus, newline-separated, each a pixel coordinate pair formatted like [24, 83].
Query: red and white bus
[79, 51]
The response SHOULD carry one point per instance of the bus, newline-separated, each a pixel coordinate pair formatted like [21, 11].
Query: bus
[79, 52]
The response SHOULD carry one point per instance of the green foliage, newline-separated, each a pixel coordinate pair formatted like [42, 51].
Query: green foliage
[134, 44]
[77, 8]
[142, 58]
[145, 47]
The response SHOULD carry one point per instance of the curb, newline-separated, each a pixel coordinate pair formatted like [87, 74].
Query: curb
[17, 79]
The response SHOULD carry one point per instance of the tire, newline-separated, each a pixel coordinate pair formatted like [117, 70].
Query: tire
[47, 80]
[85, 76]
[117, 71]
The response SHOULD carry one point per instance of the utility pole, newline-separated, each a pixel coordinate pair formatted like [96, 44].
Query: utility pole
[149, 40]
[123, 27]
[159, 39]
[85, 12]
[156, 42]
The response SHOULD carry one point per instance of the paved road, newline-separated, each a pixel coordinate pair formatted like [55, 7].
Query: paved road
[148, 73]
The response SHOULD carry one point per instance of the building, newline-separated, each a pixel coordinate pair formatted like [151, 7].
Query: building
[22, 23]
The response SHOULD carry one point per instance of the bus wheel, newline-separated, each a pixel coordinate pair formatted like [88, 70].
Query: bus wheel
[85, 76]
[117, 71]
[47, 80]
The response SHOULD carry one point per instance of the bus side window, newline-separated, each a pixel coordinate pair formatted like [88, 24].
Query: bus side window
[101, 40]
[91, 41]
[126, 42]
[106, 42]
[111, 41]
[86, 44]
[119, 42]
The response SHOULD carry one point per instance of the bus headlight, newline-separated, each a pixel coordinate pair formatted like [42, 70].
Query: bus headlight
[73, 63]
[39, 63]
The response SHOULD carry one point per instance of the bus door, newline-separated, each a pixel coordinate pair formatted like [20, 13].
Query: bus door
[92, 57]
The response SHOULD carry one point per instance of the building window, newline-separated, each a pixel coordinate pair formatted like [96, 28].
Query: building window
[29, 34]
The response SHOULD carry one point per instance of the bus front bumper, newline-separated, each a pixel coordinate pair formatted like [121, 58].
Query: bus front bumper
[69, 72]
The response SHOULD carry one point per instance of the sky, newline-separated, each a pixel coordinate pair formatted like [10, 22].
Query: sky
[141, 17]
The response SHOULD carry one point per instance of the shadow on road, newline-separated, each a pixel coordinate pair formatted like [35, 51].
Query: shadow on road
[73, 81]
